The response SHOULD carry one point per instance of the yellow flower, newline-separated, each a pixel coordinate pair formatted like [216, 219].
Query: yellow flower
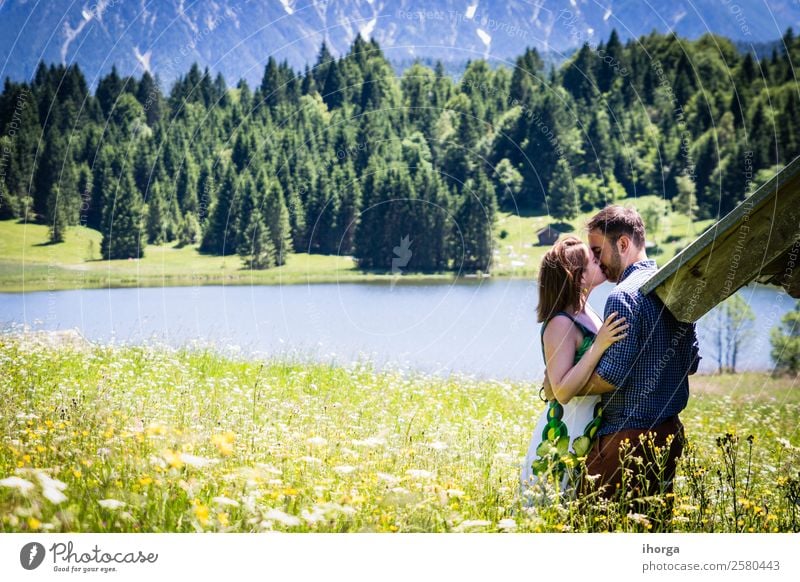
[34, 523]
[145, 481]
[40, 449]
[173, 458]
[201, 513]
[156, 429]
[223, 519]
[224, 442]
[77, 473]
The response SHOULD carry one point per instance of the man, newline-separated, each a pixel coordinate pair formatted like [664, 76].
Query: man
[643, 377]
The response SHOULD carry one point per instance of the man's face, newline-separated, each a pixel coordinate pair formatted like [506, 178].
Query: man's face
[607, 253]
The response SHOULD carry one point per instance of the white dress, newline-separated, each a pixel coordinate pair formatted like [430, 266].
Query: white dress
[578, 413]
[578, 420]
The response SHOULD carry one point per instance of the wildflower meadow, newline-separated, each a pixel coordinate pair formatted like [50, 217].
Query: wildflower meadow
[154, 439]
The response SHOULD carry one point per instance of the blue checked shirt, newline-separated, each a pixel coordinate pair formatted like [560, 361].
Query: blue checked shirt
[650, 367]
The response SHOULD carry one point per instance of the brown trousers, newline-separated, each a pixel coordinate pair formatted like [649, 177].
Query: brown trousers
[653, 475]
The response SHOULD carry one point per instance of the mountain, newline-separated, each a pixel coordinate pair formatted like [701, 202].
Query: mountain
[237, 37]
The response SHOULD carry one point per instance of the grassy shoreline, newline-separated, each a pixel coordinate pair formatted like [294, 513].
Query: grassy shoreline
[17, 280]
[28, 263]
[151, 439]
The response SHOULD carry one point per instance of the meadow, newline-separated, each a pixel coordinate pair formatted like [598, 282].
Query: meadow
[29, 263]
[154, 439]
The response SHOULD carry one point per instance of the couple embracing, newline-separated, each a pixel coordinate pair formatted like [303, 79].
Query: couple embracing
[613, 382]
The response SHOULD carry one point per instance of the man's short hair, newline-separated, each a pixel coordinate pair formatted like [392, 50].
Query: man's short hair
[614, 221]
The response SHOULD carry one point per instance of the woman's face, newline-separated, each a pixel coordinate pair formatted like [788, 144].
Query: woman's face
[592, 274]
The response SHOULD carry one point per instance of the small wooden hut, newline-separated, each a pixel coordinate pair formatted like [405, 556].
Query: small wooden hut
[547, 235]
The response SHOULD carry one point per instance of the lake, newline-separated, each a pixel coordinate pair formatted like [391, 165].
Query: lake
[486, 328]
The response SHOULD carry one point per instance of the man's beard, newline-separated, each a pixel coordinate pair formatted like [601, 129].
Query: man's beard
[614, 270]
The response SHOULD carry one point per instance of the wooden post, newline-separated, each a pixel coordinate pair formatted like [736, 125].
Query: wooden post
[757, 240]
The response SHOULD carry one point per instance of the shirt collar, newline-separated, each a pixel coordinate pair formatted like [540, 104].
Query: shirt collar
[638, 265]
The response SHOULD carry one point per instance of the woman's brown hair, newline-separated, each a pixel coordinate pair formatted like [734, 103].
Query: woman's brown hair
[560, 277]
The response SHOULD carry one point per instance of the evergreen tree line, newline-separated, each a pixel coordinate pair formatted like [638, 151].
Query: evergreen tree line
[345, 158]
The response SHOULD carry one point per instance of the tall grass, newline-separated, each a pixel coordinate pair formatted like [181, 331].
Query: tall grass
[152, 439]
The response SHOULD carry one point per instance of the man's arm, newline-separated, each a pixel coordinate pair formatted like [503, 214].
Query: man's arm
[618, 360]
[595, 385]
[695, 355]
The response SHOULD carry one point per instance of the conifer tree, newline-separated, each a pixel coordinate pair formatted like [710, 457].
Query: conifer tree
[156, 216]
[276, 217]
[123, 216]
[220, 234]
[475, 219]
[256, 249]
[563, 198]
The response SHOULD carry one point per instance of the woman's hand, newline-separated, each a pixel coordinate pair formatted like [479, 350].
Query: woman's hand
[613, 329]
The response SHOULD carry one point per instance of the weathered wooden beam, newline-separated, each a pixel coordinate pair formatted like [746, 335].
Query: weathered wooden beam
[785, 271]
[734, 251]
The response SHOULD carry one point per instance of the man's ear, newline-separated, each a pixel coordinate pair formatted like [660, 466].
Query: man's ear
[624, 243]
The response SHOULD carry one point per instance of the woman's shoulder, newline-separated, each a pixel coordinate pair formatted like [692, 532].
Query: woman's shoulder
[558, 326]
[560, 316]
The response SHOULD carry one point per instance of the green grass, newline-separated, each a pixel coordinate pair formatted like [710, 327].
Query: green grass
[149, 439]
[521, 245]
[28, 263]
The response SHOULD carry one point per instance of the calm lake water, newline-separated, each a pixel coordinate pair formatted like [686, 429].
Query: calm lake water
[486, 328]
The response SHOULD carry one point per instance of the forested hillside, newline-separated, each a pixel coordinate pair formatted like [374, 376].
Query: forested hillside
[345, 158]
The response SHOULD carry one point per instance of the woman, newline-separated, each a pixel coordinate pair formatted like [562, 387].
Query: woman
[573, 339]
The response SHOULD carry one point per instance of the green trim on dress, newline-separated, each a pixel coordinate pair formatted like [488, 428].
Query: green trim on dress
[555, 436]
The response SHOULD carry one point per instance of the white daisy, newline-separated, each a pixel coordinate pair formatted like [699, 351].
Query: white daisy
[419, 473]
[111, 503]
[195, 461]
[18, 483]
[52, 488]
[282, 517]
